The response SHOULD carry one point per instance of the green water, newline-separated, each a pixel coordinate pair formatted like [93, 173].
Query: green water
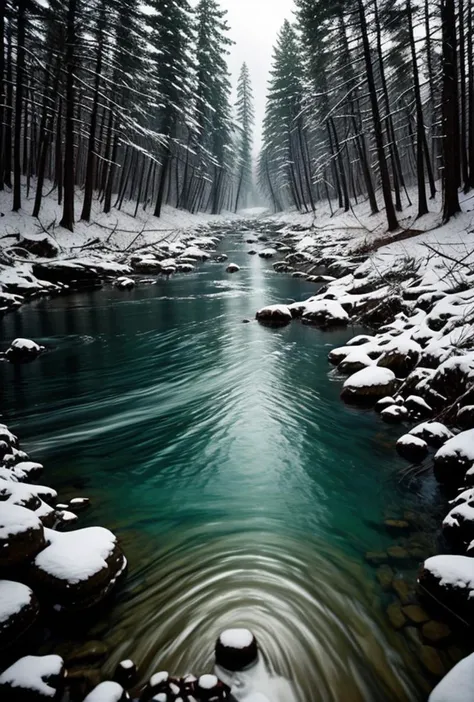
[244, 492]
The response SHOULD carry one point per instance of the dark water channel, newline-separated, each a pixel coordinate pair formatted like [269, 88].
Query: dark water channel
[244, 492]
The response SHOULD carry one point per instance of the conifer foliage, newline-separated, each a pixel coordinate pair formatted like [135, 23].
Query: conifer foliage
[116, 101]
[245, 117]
[368, 98]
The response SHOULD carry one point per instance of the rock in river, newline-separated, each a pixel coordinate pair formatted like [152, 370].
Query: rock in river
[18, 611]
[23, 351]
[369, 385]
[455, 458]
[78, 568]
[449, 579]
[274, 315]
[233, 268]
[33, 679]
[21, 535]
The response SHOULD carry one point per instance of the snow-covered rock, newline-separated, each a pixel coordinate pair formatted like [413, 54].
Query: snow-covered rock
[33, 679]
[21, 535]
[267, 253]
[394, 414]
[355, 361]
[107, 691]
[455, 458]
[23, 351]
[401, 355]
[274, 315]
[412, 448]
[233, 268]
[457, 685]
[454, 376]
[325, 313]
[74, 274]
[458, 525]
[369, 385]
[124, 283]
[434, 433]
[126, 674]
[465, 417]
[77, 569]
[236, 649]
[450, 580]
[418, 407]
[22, 472]
[18, 611]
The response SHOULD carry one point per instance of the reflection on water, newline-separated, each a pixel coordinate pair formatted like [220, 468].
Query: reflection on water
[244, 492]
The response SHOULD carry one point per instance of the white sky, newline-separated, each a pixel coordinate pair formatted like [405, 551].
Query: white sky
[254, 25]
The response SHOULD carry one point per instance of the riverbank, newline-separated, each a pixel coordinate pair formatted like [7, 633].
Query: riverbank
[288, 238]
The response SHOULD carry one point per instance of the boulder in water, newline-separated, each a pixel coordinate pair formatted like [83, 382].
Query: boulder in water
[369, 385]
[21, 535]
[18, 612]
[236, 649]
[23, 351]
[455, 458]
[449, 580]
[274, 315]
[412, 448]
[124, 283]
[33, 679]
[233, 268]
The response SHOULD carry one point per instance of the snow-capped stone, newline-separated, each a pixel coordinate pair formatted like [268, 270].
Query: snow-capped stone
[274, 315]
[18, 611]
[126, 674]
[24, 471]
[124, 283]
[450, 580]
[394, 414]
[434, 433]
[412, 448]
[21, 535]
[233, 268]
[267, 253]
[361, 339]
[78, 568]
[325, 313]
[458, 526]
[355, 361]
[465, 417]
[401, 355]
[193, 252]
[455, 458]
[369, 385]
[23, 351]
[236, 649]
[454, 376]
[386, 402]
[107, 691]
[75, 274]
[79, 504]
[32, 679]
[418, 407]
[457, 685]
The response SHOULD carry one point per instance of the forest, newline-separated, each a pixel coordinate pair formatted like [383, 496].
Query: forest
[133, 101]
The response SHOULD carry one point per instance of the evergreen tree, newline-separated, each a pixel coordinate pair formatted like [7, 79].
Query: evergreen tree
[212, 98]
[245, 121]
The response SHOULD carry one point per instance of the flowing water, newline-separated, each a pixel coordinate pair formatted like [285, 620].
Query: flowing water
[244, 492]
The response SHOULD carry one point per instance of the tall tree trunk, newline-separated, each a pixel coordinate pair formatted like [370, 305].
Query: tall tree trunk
[470, 95]
[462, 85]
[67, 220]
[384, 176]
[334, 167]
[162, 181]
[420, 127]
[2, 88]
[91, 155]
[46, 128]
[450, 113]
[20, 77]
[111, 174]
[342, 173]
[7, 153]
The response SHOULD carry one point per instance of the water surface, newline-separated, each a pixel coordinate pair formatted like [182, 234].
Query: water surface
[245, 493]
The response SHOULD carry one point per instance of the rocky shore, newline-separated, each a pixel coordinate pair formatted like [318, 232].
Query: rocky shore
[415, 366]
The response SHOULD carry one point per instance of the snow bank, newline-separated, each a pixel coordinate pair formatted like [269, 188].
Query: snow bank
[13, 598]
[33, 673]
[458, 685]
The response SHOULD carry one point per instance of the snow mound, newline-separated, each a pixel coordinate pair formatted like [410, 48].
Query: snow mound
[107, 691]
[13, 598]
[236, 638]
[31, 672]
[457, 685]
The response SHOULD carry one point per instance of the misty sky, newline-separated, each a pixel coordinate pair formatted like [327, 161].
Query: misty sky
[254, 26]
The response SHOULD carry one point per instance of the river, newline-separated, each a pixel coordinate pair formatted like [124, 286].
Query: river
[244, 492]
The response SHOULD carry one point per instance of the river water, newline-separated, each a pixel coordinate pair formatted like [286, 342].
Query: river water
[244, 492]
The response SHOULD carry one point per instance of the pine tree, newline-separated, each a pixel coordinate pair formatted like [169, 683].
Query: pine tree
[245, 121]
[212, 99]
[171, 39]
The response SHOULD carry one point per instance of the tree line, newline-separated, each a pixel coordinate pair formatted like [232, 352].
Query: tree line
[121, 101]
[369, 95]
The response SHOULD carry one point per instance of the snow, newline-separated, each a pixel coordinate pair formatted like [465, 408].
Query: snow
[461, 513]
[159, 678]
[457, 685]
[207, 682]
[16, 520]
[370, 377]
[461, 445]
[329, 308]
[13, 598]
[107, 691]
[410, 440]
[127, 664]
[454, 571]
[432, 430]
[76, 555]
[277, 310]
[28, 673]
[26, 345]
[236, 638]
